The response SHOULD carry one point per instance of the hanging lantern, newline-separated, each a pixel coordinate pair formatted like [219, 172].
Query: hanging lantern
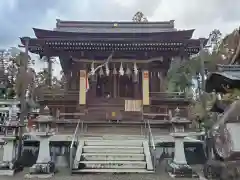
[101, 73]
[135, 69]
[121, 71]
[107, 69]
[114, 70]
[92, 72]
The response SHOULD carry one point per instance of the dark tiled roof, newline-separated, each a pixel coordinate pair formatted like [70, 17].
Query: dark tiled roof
[168, 35]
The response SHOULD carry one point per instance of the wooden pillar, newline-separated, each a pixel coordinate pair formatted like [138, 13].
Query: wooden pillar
[136, 86]
[145, 88]
[154, 82]
[114, 85]
[93, 86]
[82, 87]
[49, 79]
[163, 82]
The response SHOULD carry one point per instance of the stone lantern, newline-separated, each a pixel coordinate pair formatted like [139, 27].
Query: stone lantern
[9, 164]
[178, 167]
[44, 166]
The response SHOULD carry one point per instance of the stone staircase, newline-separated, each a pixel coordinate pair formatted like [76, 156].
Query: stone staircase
[113, 156]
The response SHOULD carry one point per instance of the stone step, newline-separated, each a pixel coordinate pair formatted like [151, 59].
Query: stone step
[134, 143]
[113, 149]
[111, 171]
[112, 157]
[114, 164]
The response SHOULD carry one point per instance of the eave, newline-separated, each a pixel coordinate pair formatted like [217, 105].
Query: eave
[118, 42]
[216, 80]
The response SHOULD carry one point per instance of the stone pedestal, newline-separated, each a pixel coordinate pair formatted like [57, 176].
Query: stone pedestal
[44, 166]
[44, 150]
[10, 164]
[178, 167]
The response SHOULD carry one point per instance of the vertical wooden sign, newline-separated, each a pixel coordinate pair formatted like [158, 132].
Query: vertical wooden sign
[145, 88]
[82, 88]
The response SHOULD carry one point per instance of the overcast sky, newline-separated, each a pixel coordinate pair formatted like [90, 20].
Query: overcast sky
[18, 17]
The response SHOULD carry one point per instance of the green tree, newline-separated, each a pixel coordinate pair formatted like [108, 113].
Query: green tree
[182, 76]
[139, 17]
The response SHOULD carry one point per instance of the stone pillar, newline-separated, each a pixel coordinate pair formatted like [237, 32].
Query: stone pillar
[145, 88]
[82, 87]
[44, 151]
[179, 154]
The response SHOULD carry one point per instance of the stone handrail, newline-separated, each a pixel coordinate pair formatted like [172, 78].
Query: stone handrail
[74, 138]
[151, 143]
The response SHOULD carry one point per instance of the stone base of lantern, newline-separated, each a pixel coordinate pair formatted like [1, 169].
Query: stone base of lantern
[9, 172]
[44, 170]
[38, 176]
[9, 168]
[180, 170]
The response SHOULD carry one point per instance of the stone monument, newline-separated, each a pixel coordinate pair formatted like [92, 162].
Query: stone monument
[178, 167]
[10, 163]
[44, 166]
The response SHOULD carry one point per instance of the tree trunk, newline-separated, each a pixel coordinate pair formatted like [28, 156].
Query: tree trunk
[23, 70]
[237, 53]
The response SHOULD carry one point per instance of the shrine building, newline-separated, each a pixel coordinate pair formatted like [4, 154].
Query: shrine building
[127, 90]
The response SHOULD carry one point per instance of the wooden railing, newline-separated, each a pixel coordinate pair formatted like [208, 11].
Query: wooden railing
[50, 94]
[59, 94]
[169, 95]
